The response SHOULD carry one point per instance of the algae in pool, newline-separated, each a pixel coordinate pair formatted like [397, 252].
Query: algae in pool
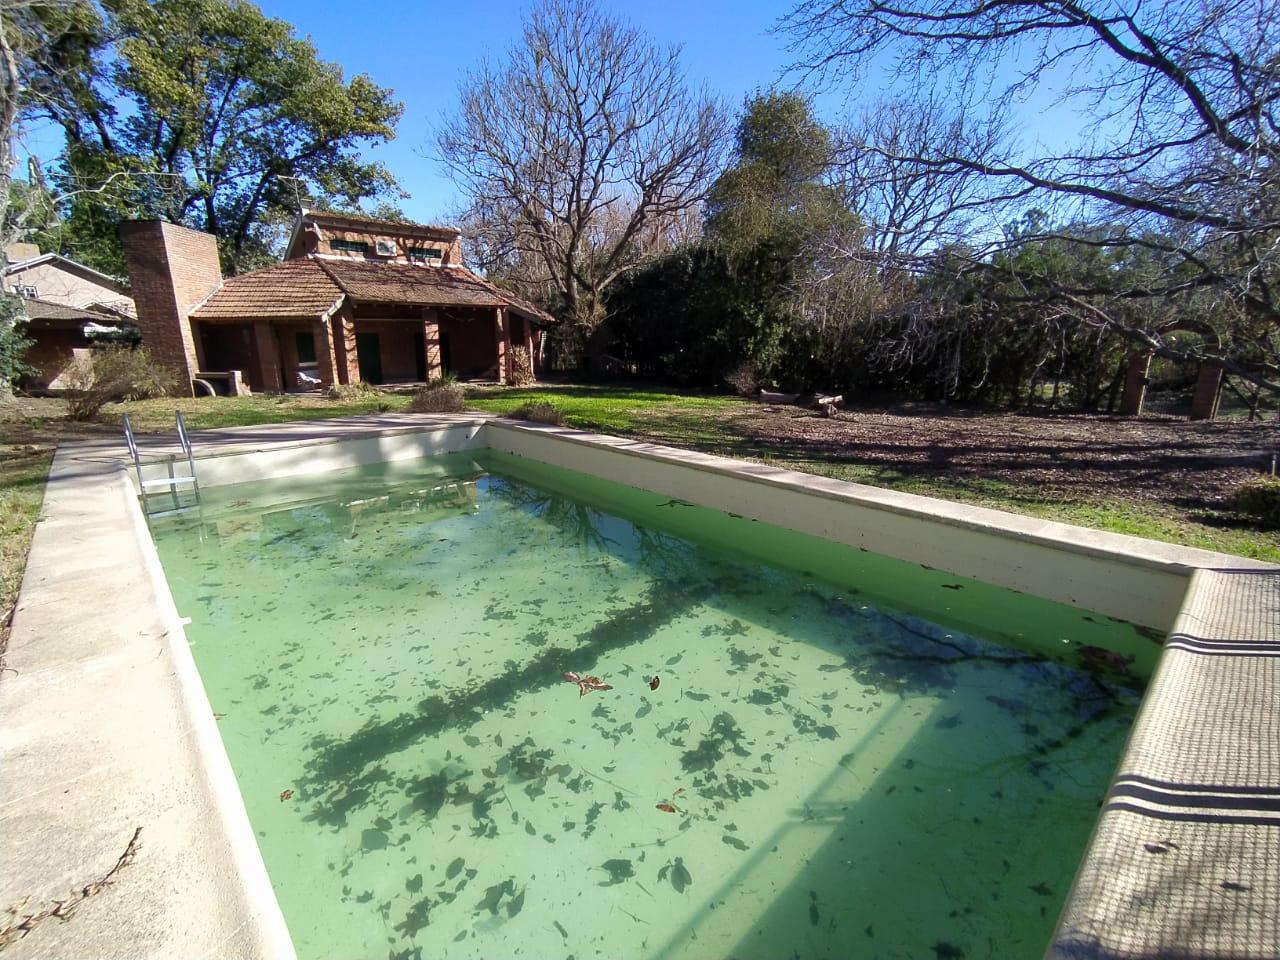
[880, 761]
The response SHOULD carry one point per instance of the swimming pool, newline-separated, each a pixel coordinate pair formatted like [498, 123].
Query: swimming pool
[807, 749]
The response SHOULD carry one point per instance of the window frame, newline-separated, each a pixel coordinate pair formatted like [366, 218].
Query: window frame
[339, 245]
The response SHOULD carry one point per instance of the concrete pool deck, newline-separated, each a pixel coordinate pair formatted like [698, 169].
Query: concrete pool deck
[104, 725]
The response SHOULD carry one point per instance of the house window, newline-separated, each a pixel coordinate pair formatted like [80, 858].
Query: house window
[306, 344]
[349, 246]
[26, 290]
[426, 254]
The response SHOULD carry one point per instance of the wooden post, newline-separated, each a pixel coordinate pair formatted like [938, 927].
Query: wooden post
[344, 341]
[431, 337]
[1204, 402]
[1135, 384]
[264, 339]
[326, 357]
[503, 337]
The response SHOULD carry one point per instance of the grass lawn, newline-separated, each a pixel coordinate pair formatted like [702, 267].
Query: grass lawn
[21, 493]
[718, 424]
[30, 430]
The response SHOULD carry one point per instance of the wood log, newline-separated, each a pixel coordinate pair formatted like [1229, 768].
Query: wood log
[768, 396]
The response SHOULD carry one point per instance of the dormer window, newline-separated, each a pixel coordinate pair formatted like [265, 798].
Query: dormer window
[26, 290]
[349, 246]
[433, 255]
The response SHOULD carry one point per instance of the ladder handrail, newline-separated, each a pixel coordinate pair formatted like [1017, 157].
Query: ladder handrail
[185, 440]
[172, 482]
[133, 451]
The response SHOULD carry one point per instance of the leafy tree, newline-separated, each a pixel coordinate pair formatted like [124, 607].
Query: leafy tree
[13, 344]
[204, 112]
[696, 315]
[774, 187]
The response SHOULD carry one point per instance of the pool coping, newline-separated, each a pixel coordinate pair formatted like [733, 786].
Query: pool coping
[87, 476]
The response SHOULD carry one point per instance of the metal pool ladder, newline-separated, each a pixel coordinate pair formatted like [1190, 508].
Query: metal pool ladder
[173, 481]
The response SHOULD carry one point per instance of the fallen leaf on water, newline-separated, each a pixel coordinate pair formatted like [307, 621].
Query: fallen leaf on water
[666, 808]
[285, 795]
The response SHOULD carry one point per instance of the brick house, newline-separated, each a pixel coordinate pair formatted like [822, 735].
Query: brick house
[354, 299]
[67, 307]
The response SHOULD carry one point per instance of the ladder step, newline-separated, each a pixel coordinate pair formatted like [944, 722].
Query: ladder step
[167, 482]
[173, 513]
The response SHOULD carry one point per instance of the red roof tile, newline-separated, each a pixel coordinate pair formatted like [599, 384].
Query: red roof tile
[309, 287]
[293, 289]
[414, 284]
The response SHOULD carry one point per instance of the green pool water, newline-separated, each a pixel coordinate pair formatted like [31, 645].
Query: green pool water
[844, 756]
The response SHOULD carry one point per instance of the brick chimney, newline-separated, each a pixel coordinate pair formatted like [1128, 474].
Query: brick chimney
[171, 270]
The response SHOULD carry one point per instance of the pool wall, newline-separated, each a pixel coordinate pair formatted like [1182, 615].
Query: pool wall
[105, 725]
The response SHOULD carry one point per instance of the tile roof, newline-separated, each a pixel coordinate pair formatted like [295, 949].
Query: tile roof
[293, 289]
[308, 287]
[44, 310]
[420, 285]
[392, 226]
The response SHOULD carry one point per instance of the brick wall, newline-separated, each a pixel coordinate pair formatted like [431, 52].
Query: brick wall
[51, 354]
[171, 270]
[472, 343]
[319, 238]
[399, 349]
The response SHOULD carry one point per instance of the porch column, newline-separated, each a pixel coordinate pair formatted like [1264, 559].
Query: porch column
[1135, 384]
[528, 345]
[431, 343]
[264, 338]
[344, 343]
[326, 357]
[504, 346]
[1204, 402]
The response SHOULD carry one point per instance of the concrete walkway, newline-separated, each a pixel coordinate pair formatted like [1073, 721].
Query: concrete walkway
[104, 728]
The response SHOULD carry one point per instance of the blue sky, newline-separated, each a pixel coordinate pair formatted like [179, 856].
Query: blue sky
[422, 51]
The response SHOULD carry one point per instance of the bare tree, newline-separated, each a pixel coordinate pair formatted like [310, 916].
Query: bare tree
[583, 141]
[1182, 157]
[909, 210]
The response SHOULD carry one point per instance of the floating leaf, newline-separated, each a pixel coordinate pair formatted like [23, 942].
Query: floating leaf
[618, 871]
[680, 877]
[454, 868]
[515, 904]
[492, 895]
[666, 808]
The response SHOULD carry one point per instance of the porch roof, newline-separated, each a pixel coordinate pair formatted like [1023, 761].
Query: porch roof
[419, 285]
[310, 287]
[295, 289]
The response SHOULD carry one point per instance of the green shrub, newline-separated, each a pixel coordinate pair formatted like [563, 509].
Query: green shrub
[445, 395]
[352, 392]
[113, 373]
[521, 367]
[1260, 499]
[539, 411]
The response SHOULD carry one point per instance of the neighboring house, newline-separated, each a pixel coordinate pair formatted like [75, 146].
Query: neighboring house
[60, 337]
[355, 299]
[67, 308]
[52, 278]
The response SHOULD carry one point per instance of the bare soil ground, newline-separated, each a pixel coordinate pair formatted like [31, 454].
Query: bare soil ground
[1157, 459]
